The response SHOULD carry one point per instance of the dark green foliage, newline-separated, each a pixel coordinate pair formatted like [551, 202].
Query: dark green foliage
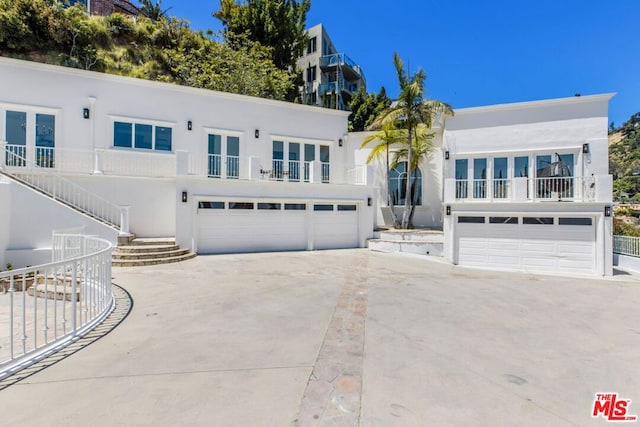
[279, 24]
[165, 49]
[365, 107]
[624, 157]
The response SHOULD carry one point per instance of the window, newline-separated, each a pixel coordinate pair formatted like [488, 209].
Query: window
[347, 207]
[521, 167]
[479, 178]
[16, 136]
[163, 138]
[295, 207]
[462, 173]
[210, 205]
[294, 161]
[471, 220]
[122, 134]
[45, 140]
[312, 46]
[142, 136]
[398, 185]
[269, 206]
[240, 205]
[503, 220]
[537, 220]
[575, 221]
[311, 74]
[500, 177]
[324, 159]
[323, 207]
[233, 157]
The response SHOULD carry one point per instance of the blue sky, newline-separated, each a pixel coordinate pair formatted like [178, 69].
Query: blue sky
[483, 52]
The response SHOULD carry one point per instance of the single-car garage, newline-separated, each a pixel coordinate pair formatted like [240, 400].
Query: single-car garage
[228, 226]
[550, 243]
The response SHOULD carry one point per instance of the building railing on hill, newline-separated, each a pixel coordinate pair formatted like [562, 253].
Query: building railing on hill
[626, 245]
[49, 306]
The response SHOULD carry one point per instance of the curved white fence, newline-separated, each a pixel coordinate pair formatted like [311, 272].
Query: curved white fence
[46, 307]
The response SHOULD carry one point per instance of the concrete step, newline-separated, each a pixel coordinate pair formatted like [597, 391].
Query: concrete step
[411, 235]
[141, 249]
[117, 255]
[154, 241]
[419, 247]
[152, 261]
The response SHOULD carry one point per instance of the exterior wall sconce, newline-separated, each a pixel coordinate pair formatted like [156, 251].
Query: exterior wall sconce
[369, 201]
[257, 133]
[448, 210]
[184, 197]
[189, 125]
[607, 211]
[86, 113]
[446, 155]
[585, 148]
[340, 142]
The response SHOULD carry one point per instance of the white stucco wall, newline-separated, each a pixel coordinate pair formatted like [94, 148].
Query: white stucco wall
[31, 221]
[5, 218]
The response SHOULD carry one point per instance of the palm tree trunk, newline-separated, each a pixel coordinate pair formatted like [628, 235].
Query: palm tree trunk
[414, 198]
[407, 197]
[394, 217]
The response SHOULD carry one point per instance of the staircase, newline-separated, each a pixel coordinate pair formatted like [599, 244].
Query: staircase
[419, 241]
[140, 252]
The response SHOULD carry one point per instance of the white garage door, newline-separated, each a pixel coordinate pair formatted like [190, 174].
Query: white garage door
[335, 226]
[527, 242]
[226, 227]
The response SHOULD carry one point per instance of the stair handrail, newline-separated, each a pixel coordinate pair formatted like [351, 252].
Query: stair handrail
[63, 189]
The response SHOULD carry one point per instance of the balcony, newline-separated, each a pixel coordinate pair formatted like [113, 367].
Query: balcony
[558, 189]
[351, 70]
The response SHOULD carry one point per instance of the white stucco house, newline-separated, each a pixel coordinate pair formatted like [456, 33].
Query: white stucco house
[229, 173]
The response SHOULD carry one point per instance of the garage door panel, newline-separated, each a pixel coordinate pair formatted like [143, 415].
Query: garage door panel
[549, 247]
[335, 230]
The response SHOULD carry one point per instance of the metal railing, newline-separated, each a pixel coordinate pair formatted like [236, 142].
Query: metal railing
[326, 172]
[49, 306]
[233, 167]
[535, 189]
[214, 166]
[357, 175]
[294, 170]
[626, 245]
[52, 184]
[137, 163]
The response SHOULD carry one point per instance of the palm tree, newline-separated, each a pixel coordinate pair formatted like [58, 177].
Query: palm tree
[410, 110]
[153, 10]
[422, 146]
[386, 136]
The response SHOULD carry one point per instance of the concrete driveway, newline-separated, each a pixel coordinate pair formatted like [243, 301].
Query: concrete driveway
[345, 338]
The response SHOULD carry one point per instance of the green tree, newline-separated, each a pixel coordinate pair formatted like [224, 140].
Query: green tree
[279, 24]
[411, 110]
[365, 107]
[387, 136]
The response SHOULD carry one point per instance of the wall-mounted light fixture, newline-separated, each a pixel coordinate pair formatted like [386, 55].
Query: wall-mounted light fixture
[607, 211]
[448, 210]
[257, 133]
[585, 148]
[446, 155]
[86, 113]
[369, 201]
[184, 197]
[189, 125]
[340, 142]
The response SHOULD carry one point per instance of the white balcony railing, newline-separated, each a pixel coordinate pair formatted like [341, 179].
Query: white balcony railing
[583, 189]
[326, 172]
[49, 306]
[233, 167]
[357, 175]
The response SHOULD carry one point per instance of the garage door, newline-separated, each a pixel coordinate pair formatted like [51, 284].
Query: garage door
[335, 226]
[226, 227]
[527, 242]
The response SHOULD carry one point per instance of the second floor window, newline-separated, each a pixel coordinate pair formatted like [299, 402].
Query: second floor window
[142, 136]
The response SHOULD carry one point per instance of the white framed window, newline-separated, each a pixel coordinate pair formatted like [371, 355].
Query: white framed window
[142, 134]
[223, 153]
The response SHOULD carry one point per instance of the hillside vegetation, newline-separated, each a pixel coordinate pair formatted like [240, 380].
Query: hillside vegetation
[624, 159]
[166, 49]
